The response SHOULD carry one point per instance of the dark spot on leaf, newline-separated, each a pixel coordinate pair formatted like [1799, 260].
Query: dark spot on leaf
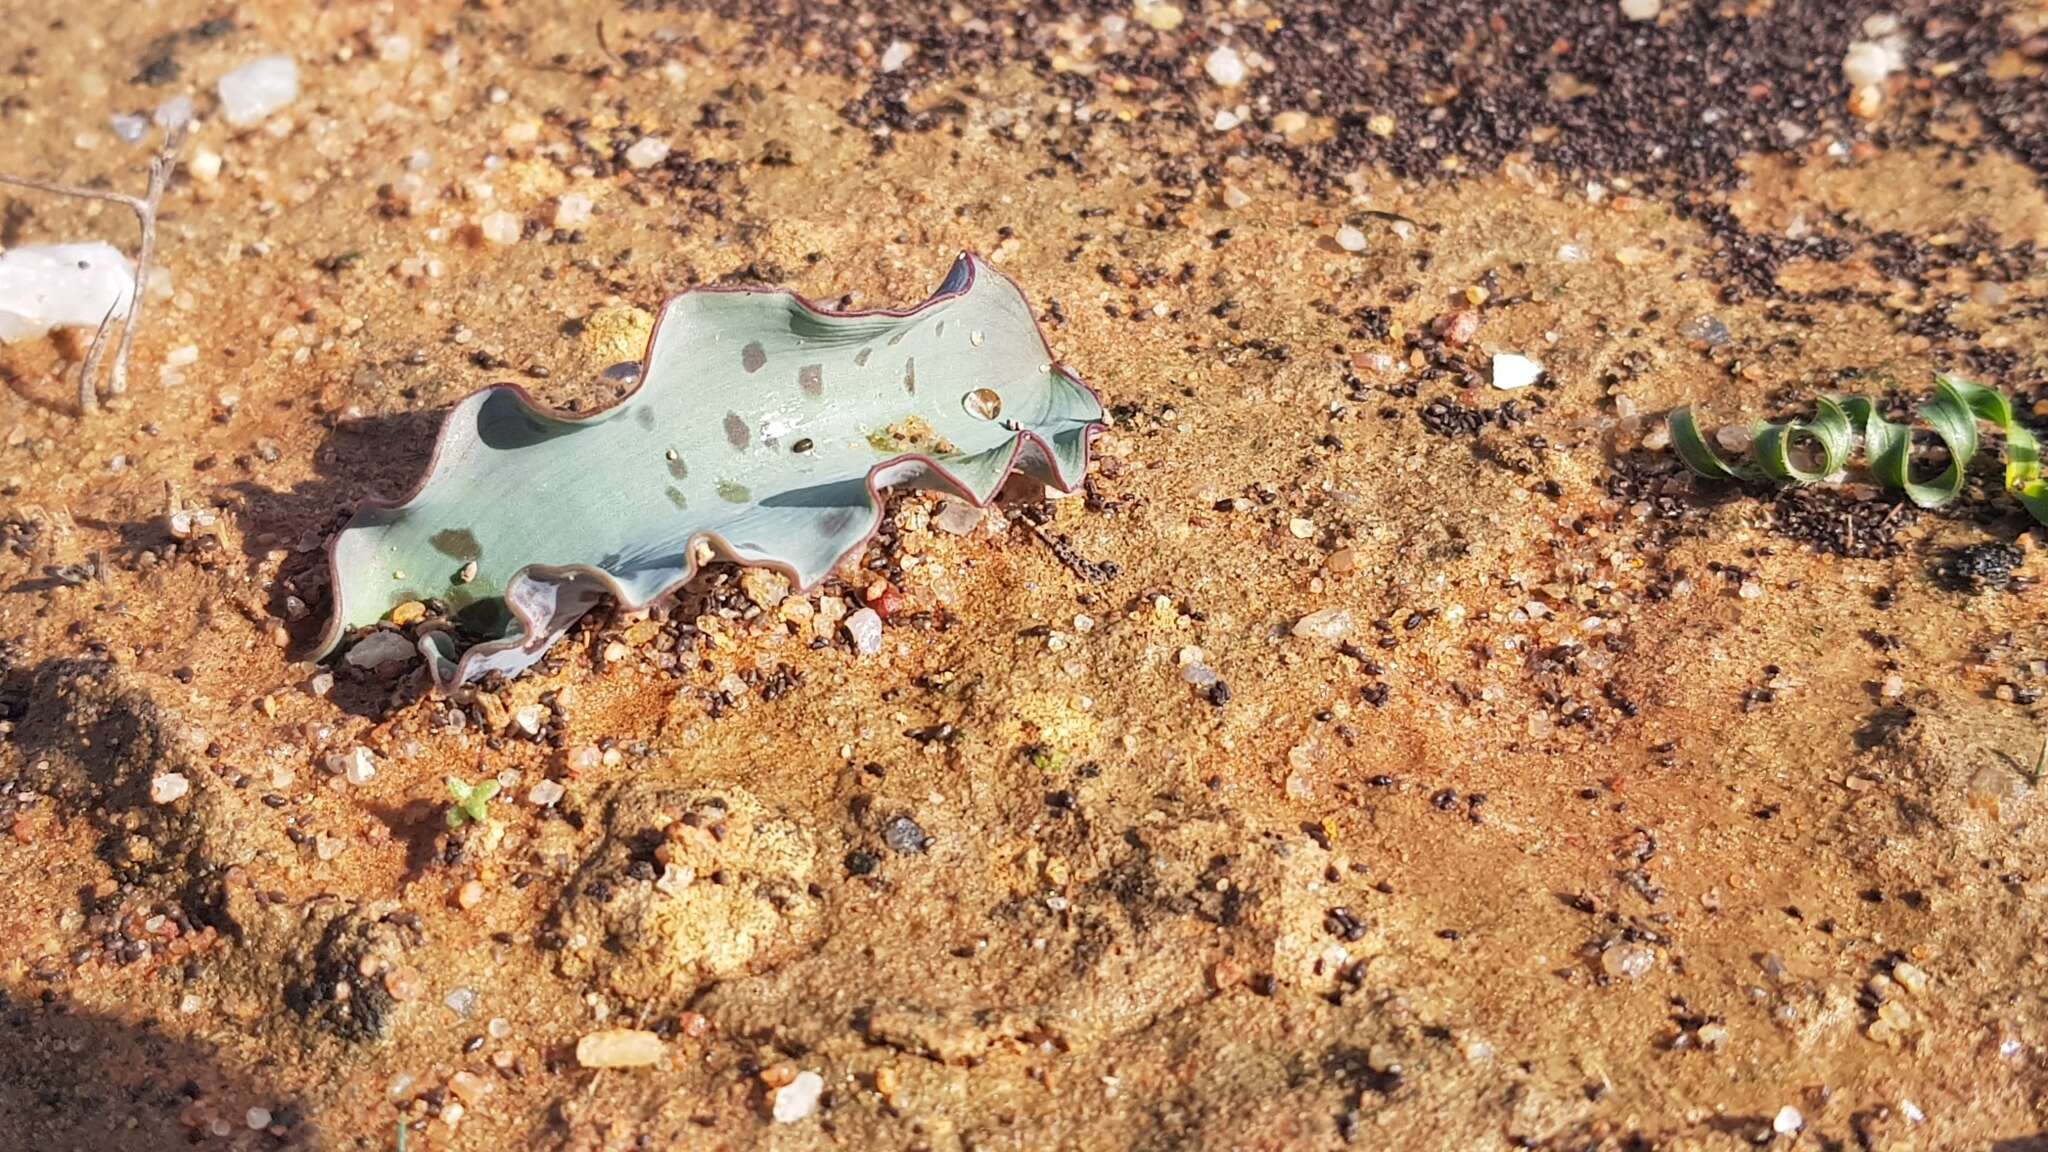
[677, 468]
[734, 493]
[752, 357]
[644, 417]
[910, 375]
[811, 378]
[860, 358]
[457, 544]
[676, 497]
[736, 433]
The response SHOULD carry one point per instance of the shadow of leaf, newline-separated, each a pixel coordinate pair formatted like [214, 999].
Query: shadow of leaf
[72, 1079]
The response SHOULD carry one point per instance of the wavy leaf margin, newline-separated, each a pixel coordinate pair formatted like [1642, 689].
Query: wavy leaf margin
[543, 621]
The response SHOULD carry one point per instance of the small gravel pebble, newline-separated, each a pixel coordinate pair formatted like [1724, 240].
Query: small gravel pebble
[1868, 63]
[1910, 977]
[1708, 330]
[957, 518]
[1511, 371]
[403, 984]
[799, 1098]
[173, 112]
[1331, 624]
[646, 152]
[905, 837]
[1457, 328]
[249, 94]
[499, 227]
[471, 1087]
[619, 1048]
[1640, 10]
[1159, 14]
[1350, 239]
[1627, 961]
[572, 211]
[864, 628]
[358, 765]
[1787, 1121]
[168, 788]
[381, 648]
[1225, 67]
[764, 586]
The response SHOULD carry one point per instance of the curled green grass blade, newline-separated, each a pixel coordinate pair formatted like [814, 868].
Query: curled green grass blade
[1829, 431]
[1692, 447]
[1770, 448]
[1952, 416]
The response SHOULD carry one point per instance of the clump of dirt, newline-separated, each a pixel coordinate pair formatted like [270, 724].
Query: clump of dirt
[348, 974]
[101, 743]
[685, 889]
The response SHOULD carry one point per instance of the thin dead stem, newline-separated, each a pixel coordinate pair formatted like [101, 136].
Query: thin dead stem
[74, 191]
[88, 395]
[161, 167]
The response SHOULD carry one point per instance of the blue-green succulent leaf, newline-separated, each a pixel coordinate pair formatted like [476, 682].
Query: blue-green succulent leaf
[762, 426]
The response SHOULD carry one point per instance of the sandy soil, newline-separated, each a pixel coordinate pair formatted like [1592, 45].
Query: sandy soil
[1614, 811]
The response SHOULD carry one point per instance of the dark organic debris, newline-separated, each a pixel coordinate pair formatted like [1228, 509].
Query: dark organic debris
[1830, 520]
[1979, 567]
[1430, 91]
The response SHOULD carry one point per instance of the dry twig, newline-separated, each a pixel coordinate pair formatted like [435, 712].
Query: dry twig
[161, 166]
[88, 395]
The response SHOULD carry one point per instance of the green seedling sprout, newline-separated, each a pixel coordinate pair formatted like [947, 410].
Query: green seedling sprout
[469, 801]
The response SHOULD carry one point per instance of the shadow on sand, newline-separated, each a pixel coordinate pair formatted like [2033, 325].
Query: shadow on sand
[74, 1081]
